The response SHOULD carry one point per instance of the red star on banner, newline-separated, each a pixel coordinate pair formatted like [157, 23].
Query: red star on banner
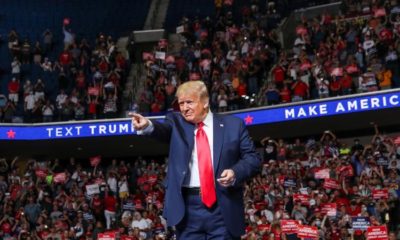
[11, 134]
[248, 119]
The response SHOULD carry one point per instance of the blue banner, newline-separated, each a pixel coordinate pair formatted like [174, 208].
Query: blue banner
[266, 115]
[322, 108]
[62, 131]
[290, 182]
[360, 223]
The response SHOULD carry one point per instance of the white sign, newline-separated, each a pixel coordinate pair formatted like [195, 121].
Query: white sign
[180, 29]
[92, 189]
[160, 55]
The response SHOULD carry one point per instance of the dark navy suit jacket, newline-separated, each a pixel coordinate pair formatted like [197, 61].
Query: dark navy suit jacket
[233, 149]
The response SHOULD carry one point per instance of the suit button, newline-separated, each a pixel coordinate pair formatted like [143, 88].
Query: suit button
[184, 172]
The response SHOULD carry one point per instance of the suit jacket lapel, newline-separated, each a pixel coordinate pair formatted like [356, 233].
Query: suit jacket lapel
[218, 140]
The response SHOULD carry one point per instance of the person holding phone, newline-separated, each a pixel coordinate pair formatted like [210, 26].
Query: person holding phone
[210, 158]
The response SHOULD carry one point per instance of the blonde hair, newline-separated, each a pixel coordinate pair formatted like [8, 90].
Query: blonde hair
[196, 87]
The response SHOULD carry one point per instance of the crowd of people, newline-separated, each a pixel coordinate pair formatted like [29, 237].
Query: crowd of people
[76, 81]
[244, 65]
[300, 179]
[354, 52]
[240, 58]
[231, 58]
[291, 187]
[78, 199]
[50, 199]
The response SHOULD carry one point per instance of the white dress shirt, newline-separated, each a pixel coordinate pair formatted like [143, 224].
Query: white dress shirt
[192, 178]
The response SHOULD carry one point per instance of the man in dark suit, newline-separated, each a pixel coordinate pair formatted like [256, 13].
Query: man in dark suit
[210, 158]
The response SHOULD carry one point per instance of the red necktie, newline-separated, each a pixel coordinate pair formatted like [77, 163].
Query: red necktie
[207, 188]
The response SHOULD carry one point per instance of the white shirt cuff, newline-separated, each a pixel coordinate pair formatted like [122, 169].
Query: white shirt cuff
[147, 130]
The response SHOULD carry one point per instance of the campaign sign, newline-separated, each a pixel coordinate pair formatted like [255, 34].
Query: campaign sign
[290, 182]
[94, 91]
[380, 194]
[152, 179]
[377, 233]
[329, 209]
[289, 226]
[380, 12]
[382, 161]
[300, 30]
[304, 191]
[303, 198]
[126, 237]
[41, 173]
[160, 55]
[180, 29]
[346, 171]
[360, 223]
[92, 189]
[60, 177]
[322, 173]
[331, 183]
[107, 236]
[264, 227]
[309, 232]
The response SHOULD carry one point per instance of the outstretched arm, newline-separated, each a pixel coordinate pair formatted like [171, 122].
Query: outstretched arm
[139, 122]
[158, 130]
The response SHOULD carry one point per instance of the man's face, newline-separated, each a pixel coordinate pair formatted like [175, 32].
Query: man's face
[192, 108]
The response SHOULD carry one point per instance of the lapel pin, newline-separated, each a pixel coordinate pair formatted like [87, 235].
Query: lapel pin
[221, 125]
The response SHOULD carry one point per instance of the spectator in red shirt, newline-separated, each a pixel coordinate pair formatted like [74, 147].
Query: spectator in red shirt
[346, 83]
[286, 94]
[300, 90]
[354, 209]
[65, 58]
[103, 65]
[110, 206]
[334, 86]
[278, 73]
[97, 205]
[120, 60]
[6, 226]
[13, 89]
[80, 81]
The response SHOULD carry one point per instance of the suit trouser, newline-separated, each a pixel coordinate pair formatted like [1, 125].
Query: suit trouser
[200, 222]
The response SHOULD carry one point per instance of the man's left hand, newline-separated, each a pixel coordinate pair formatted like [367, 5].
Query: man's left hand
[227, 178]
